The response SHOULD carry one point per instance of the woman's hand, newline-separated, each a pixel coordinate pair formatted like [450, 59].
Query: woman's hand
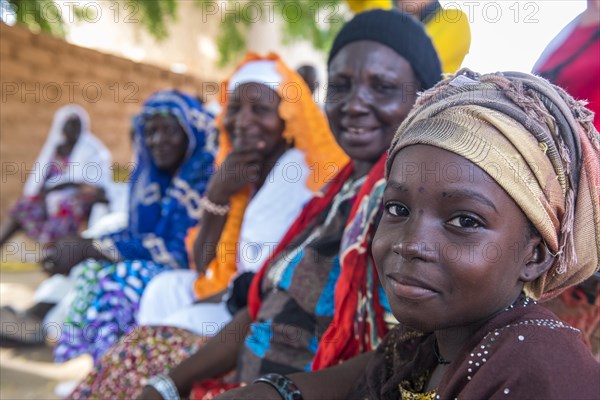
[95, 193]
[254, 391]
[241, 167]
[67, 253]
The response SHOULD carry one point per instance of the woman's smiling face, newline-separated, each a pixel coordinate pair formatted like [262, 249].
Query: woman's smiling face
[252, 116]
[166, 141]
[452, 245]
[371, 89]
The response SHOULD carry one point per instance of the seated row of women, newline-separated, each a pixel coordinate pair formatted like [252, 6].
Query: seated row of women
[412, 257]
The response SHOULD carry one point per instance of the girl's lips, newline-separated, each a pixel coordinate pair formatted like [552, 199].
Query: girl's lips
[409, 288]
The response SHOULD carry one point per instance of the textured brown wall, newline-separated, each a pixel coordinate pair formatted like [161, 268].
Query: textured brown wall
[40, 73]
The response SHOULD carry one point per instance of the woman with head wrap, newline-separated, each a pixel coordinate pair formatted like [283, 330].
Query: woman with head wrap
[69, 175]
[265, 189]
[174, 157]
[492, 201]
[373, 83]
[275, 151]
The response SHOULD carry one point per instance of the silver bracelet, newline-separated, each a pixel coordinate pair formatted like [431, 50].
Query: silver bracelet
[216, 209]
[165, 386]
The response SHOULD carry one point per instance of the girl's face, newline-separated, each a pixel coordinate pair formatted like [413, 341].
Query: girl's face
[166, 140]
[370, 91]
[252, 116]
[452, 247]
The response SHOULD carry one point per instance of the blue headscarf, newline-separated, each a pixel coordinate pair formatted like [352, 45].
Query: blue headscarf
[164, 205]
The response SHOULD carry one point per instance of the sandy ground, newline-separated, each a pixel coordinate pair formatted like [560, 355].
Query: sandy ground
[29, 373]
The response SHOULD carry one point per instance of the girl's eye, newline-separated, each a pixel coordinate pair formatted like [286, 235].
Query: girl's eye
[396, 210]
[465, 221]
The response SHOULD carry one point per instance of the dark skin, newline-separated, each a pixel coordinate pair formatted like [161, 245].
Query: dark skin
[167, 143]
[71, 133]
[371, 89]
[430, 253]
[351, 108]
[255, 128]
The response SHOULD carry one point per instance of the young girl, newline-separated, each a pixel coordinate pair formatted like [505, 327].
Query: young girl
[491, 202]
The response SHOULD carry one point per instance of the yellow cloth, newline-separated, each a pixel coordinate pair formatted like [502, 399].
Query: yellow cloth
[358, 6]
[451, 35]
[307, 127]
[449, 30]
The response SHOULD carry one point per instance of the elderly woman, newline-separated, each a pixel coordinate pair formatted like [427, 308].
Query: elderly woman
[71, 173]
[275, 151]
[491, 202]
[174, 144]
[373, 79]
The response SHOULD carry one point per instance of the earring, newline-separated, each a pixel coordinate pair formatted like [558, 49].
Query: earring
[289, 141]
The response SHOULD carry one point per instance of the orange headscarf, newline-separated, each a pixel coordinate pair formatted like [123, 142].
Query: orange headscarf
[307, 127]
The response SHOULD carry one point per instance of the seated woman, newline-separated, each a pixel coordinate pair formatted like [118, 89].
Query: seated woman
[491, 202]
[174, 144]
[275, 151]
[374, 80]
[69, 176]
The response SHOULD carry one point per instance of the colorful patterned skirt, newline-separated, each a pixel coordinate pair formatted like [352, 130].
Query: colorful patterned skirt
[146, 351]
[105, 307]
[47, 224]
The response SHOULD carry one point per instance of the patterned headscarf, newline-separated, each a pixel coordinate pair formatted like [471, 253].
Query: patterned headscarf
[156, 195]
[307, 128]
[538, 144]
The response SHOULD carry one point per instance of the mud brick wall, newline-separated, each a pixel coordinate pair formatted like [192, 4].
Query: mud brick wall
[40, 73]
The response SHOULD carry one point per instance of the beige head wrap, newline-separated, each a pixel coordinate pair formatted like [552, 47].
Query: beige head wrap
[535, 141]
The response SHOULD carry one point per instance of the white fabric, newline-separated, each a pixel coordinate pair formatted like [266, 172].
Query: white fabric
[204, 319]
[89, 162]
[270, 213]
[53, 289]
[260, 71]
[176, 308]
[272, 210]
[105, 223]
[166, 293]
[59, 290]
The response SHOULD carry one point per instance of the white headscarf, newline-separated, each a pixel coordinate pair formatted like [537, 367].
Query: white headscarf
[89, 161]
[260, 71]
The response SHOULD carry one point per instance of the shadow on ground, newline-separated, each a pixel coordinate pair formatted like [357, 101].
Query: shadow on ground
[28, 372]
